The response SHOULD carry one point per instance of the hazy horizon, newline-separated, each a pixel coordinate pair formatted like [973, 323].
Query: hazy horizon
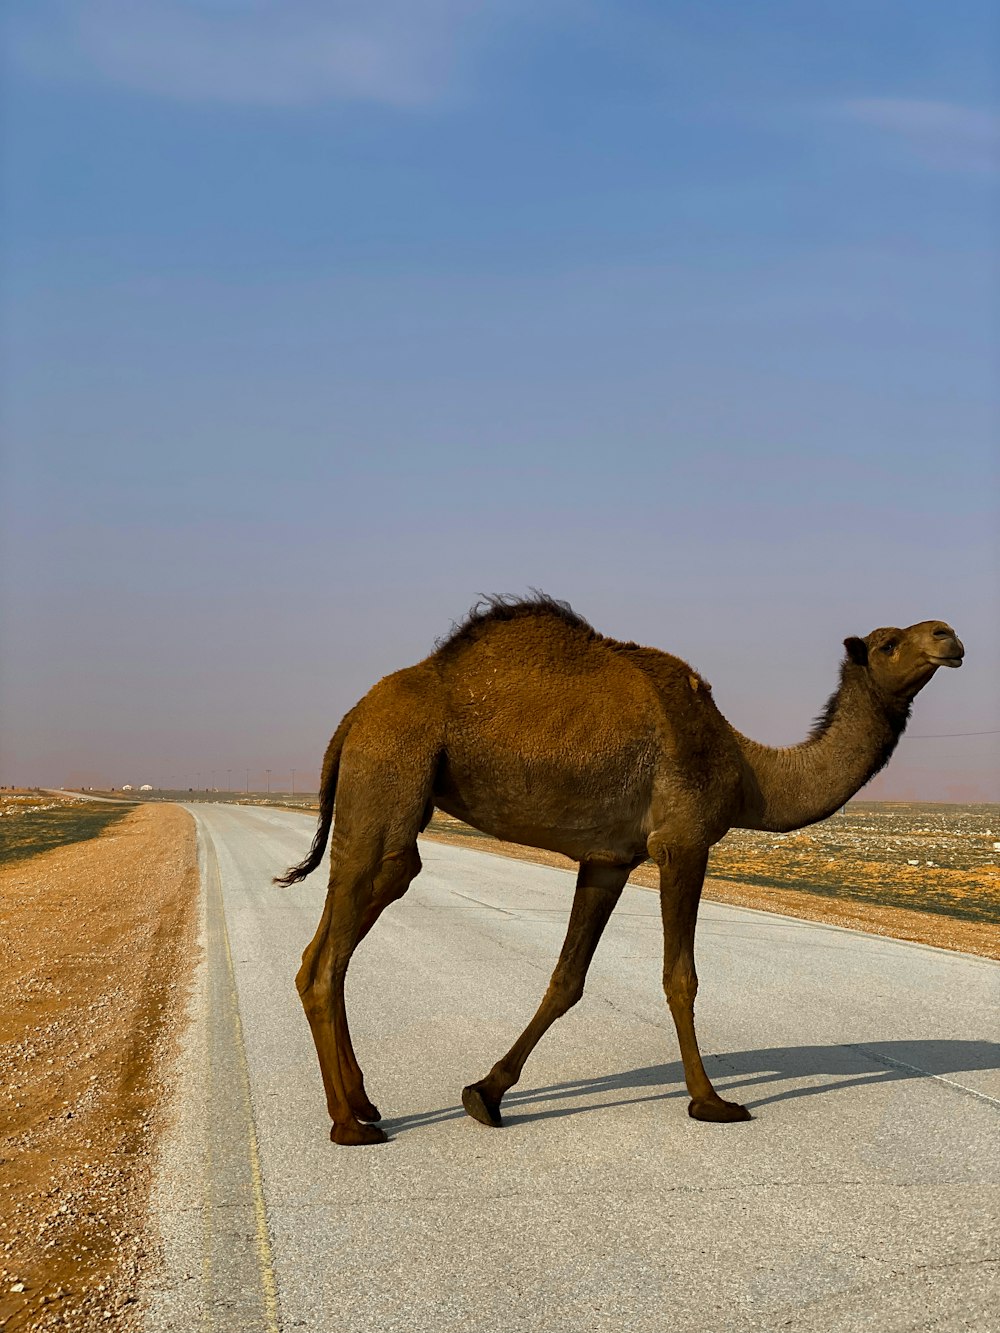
[320, 321]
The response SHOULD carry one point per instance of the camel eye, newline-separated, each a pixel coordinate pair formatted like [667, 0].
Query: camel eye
[889, 647]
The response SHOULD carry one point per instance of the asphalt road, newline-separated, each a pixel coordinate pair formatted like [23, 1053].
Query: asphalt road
[864, 1194]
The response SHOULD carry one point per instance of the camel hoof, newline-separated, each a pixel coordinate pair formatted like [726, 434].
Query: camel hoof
[718, 1111]
[476, 1105]
[350, 1133]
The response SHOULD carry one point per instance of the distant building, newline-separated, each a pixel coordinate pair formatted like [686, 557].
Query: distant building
[146, 786]
[127, 787]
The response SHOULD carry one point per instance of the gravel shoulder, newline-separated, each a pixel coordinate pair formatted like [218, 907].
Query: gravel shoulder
[97, 942]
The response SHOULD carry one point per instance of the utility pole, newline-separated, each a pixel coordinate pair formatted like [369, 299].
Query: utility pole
[248, 783]
[229, 780]
[293, 781]
[268, 772]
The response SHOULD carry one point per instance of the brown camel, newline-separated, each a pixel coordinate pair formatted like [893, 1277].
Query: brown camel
[531, 726]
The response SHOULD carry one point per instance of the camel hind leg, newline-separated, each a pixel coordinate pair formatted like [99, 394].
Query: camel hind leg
[320, 980]
[397, 872]
[395, 875]
[361, 887]
[383, 799]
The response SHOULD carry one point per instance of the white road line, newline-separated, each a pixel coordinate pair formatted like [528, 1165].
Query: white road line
[915, 1069]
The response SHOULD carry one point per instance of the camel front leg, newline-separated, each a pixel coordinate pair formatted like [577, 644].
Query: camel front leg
[682, 873]
[598, 889]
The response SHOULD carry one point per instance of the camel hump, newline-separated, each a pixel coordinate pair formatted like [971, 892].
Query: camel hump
[547, 614]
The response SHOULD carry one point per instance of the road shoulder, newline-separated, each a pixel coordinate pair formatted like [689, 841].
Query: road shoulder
[96, 943]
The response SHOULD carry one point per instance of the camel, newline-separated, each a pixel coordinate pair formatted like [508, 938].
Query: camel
[528, 724]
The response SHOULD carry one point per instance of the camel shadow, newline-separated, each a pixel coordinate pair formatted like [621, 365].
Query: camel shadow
[840, 1066]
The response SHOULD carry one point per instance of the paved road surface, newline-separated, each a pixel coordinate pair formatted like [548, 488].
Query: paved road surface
[862, 1196]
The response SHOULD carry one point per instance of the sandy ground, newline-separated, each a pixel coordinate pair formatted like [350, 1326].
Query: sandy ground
[943, 932]
[96, 944]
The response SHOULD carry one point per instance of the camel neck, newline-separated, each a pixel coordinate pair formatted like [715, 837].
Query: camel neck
[787, 788]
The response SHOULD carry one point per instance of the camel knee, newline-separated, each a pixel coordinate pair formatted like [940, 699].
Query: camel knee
[564, 993]
[681, 987]
[306, 976]
[315, 989]
[318, 976]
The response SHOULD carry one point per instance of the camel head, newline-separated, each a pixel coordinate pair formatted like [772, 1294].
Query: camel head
[902, 661]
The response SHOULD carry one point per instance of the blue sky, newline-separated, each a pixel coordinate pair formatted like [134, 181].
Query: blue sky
[322, 319]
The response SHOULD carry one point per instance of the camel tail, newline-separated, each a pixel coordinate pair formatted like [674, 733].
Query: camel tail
[327, 792]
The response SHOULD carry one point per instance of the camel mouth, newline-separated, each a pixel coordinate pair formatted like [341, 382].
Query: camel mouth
[955, 661]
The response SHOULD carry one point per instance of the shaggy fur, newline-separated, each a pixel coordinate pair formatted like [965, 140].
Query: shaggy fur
[497, 608]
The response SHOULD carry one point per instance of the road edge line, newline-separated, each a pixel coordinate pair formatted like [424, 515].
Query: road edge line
[265, 1256]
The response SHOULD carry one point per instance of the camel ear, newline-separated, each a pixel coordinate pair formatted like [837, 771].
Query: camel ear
[857, 651]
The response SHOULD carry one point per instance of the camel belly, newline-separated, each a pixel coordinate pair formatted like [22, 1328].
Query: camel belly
[539, 801]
